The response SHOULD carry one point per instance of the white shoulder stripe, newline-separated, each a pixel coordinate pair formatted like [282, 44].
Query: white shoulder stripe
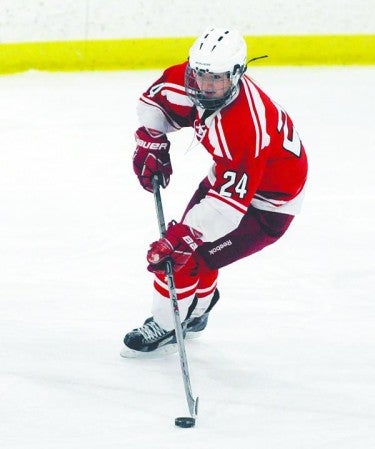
[258, 113]
[253, 115]
[222, 136]
[217, 138]
[175, 86]
[181, 99]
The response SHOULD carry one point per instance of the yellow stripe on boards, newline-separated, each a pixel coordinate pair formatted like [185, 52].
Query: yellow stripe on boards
[158, 53]
[315, 50]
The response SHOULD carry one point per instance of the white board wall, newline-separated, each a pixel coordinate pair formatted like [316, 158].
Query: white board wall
[55, 20]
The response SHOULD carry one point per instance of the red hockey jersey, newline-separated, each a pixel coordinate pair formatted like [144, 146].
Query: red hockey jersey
[259, 159]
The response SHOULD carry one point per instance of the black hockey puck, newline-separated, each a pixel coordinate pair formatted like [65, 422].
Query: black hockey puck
[184, 422]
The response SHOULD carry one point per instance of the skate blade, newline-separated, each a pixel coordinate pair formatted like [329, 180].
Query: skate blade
[128, 353]
[193, 335]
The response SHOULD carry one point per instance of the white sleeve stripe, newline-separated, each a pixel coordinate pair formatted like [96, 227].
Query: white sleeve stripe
[149, 102]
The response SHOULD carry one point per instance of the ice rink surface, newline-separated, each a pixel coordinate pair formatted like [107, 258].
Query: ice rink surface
[288, 358]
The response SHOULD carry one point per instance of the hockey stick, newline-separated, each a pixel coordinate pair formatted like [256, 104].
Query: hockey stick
[192, 403]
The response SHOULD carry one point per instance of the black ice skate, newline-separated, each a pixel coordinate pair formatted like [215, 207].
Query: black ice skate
[196, 325]
[149, 340]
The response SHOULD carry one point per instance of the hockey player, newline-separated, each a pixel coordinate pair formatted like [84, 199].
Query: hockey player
[249, 198]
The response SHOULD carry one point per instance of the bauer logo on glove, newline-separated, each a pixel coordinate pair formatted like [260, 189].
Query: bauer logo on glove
[152, 145]
[151, 158]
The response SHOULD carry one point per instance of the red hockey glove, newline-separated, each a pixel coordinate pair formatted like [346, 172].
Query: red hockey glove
[151, 158]
[178, 244]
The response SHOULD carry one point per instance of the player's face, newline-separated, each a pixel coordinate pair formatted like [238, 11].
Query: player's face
[212, 85]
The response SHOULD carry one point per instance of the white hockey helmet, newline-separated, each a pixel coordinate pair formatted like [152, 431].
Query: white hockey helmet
[216, 51]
